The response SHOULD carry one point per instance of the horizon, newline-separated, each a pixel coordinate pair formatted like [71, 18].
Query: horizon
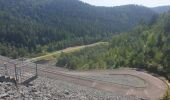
[111, 3]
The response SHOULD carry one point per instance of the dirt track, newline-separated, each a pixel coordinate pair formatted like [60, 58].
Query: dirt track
[154, 89]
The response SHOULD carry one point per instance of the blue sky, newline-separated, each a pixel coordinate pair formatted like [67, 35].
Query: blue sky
[148, 3]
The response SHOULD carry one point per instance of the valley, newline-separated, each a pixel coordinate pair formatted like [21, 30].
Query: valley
[72, 50]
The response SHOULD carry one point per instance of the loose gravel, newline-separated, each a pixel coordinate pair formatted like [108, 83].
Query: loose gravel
[49, 89]
[124, 79]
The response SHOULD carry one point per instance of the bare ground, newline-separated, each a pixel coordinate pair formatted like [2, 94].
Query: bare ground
[153, 88]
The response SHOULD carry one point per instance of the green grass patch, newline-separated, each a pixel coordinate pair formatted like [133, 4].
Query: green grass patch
[54, 55]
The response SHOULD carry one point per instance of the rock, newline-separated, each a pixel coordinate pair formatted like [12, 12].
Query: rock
[34, 90]
[2, 89]
[11, 93]
[66, 92]
[9, 84]
[83, 98]
[49, 89]
[4, 95]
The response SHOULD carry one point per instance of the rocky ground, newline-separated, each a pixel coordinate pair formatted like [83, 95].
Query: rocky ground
[49, 89]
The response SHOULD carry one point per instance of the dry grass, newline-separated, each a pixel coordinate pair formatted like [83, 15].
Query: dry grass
[167, 95]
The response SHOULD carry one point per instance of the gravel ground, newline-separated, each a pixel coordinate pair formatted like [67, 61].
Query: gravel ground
[48, 89]
[128, 80]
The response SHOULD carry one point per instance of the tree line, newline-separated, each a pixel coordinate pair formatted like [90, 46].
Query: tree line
[35, 26]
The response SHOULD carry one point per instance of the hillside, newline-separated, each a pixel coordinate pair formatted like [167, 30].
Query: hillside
[146, 47]
[161, 9]
[36, 26]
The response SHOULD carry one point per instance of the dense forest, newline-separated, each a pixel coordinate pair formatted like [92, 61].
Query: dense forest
[147, 46]
[37, 26]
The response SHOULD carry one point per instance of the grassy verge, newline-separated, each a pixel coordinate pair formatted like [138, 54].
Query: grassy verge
[167, 94]
[54, 55]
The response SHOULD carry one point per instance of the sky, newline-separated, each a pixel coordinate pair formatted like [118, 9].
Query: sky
[148, 3]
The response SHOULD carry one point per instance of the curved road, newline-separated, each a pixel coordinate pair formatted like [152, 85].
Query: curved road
[154, 90]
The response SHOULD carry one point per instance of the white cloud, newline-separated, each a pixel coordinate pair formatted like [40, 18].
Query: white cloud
[149, 3]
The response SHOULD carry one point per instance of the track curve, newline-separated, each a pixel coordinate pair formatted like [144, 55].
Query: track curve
[153, 91]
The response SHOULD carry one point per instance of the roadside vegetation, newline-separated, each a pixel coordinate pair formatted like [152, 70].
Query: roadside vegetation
[85, 59]
[167, 95]
[50, 56]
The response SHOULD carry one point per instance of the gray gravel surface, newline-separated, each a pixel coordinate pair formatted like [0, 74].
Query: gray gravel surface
[48, 89]
[127, 80]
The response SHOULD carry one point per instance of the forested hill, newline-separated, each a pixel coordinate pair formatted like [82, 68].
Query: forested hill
[146, 47]
[161, 9]
[33, 26]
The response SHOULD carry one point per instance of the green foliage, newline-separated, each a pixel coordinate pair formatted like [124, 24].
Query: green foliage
[145, 47]
[36, 26]
[88, 58]
[167, 95]
[7, 49]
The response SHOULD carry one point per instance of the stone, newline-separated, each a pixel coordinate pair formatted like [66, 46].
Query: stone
[34, 90]
[66, 92]
[4, 95]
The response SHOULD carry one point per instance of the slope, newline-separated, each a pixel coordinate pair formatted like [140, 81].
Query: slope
[35, 26]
